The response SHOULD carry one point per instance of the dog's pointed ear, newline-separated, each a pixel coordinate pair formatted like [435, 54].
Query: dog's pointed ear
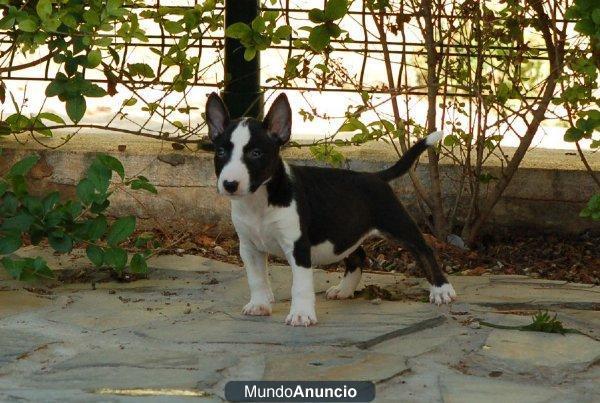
[278, 121]
[217, 116]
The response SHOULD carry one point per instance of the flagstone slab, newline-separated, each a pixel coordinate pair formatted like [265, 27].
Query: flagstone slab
[137, 367]
[189, 263]
[335, 365]
[541, 349]
[472, 389]
[100, 311]
[15, 301]
[534, 355]
[181, 331]
[103, 395]
[16, 345]
[517, 290]
[341, 323]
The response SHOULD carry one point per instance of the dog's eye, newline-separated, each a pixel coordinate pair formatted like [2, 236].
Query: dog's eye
[256, 153]
[220, 152]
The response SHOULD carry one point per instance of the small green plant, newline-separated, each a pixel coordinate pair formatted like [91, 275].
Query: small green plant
[541, 322]
[80, 221]
[592, 210]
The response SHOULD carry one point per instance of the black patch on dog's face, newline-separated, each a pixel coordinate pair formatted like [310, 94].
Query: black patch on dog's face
[260, 142]
[260, 154]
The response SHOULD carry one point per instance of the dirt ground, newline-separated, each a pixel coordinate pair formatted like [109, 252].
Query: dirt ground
[550, 256]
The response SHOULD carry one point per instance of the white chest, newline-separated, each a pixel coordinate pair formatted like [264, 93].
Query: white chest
[270, 229]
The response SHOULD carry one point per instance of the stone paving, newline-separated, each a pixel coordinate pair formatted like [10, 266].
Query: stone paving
[179, 335]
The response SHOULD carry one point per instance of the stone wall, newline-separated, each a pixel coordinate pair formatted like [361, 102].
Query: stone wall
[546, 194]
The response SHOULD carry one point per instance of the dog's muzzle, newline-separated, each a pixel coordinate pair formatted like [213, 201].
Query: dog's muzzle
[231, 186]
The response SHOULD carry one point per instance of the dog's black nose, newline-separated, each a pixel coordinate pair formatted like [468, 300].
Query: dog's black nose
[230, 186]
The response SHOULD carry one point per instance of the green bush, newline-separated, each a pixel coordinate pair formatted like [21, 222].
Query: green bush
[80, 221]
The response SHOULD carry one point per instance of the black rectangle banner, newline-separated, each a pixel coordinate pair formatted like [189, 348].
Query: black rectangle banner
[299, 391]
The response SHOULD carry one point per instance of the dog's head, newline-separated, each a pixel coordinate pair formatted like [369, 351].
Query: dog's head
[246, 150]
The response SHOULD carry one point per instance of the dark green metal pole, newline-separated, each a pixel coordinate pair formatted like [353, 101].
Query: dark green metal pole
[242, 93]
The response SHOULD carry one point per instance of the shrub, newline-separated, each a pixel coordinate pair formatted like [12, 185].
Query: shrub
[65, 224]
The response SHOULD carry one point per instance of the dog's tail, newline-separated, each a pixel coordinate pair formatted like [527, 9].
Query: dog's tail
[409, 157]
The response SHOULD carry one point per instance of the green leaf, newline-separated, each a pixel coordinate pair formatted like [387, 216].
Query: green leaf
[173, 27]
[93, 90]
[573, 134]
[76, 108]
[249, 53]
[100, 175]
[50, 201]
[258, 24]
[51, 117]
[113, 6]
[22, 167]
[316, 15]
[334, 30]
[27, 269]
[596, 16]
[95, 254]
[140, 183]
[7, 23]
[335, 9]
[56, 87]
[130, 102]
[138, 264]
[21, 222]
[140, 69]
[94, 58]
[451, 140]
[112, 163]
[319, 38]
[585, 26]
[85, 191]
[121, 230]
[28, 24]
[116, 258]
[13, 267]
[10, 243]
[97, 228]
[5, 129]
[44, 9]
[283, 31]
[239, 30]
[18, 122]
[33, 205]
[60, 242]
[41, 268]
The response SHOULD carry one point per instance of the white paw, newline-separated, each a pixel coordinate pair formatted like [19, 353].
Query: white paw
[442, 295]
[302, 314]
[255, 308]
[270, 296]
[339, 292]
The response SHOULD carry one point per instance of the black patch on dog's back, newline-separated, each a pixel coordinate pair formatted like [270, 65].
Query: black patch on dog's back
[336, 205]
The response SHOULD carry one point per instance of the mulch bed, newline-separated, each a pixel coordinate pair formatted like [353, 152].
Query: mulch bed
[548, 256]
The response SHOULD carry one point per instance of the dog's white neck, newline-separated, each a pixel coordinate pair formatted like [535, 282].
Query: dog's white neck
[259, 200]
[255, 202]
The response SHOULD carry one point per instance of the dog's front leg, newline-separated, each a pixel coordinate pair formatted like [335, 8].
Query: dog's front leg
[261, 295]
[302, 311]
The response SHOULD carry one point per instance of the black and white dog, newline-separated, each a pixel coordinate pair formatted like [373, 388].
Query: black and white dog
[308, 215]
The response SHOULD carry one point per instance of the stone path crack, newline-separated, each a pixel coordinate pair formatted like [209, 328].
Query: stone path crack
[417, 327]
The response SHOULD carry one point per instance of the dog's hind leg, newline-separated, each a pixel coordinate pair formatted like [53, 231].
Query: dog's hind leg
[354, 264]
[396, 222]
[261, 295]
